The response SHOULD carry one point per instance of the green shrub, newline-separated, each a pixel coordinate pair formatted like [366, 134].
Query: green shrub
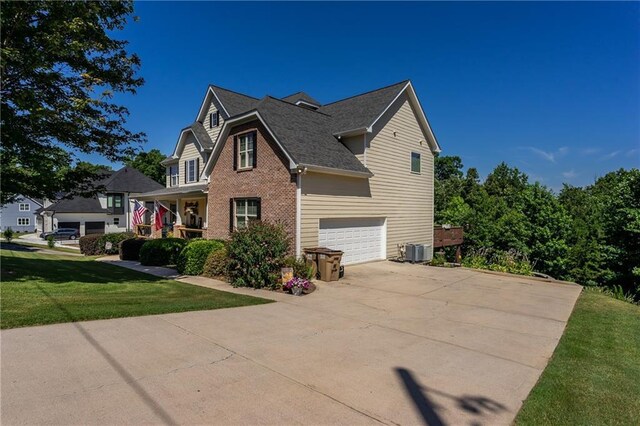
[301, 269]
[217, 264]
[512, 261]
[8, 234]
[161, 251]
[90, 244]
[193, 256]
[256, 254]
[51, 241]
[115, 240]
[130, 249]
[438, 259]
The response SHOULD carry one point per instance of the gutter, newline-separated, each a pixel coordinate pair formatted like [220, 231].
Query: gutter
[303, 168]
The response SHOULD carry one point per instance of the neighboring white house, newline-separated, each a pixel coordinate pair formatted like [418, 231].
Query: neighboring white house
[107, 212]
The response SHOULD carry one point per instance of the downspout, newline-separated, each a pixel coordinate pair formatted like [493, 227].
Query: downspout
[365, 149]
[298, 212]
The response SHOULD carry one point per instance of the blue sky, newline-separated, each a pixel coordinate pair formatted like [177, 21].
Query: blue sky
[550, 88]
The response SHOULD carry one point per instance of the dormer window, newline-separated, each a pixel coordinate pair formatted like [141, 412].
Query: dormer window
[214, 119]
[173, 174]
[191, 170]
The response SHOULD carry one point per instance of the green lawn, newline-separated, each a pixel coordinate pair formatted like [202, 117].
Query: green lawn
[594, 375]
[45, 289]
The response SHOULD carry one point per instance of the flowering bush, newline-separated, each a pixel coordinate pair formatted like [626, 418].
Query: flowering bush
[297, 283]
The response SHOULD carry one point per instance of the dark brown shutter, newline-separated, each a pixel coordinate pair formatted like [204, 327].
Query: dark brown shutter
[186, 171]
[197, 169]
[255, 149]
[211, 120]
[231, 214]
[258, 207]
[235, 153]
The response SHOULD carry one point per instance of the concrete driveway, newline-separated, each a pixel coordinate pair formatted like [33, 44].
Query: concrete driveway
[391, 343]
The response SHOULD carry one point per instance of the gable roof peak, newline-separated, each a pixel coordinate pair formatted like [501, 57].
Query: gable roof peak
[399, 84]
[301, 97]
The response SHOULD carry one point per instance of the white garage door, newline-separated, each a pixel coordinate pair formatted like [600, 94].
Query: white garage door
[360, 239]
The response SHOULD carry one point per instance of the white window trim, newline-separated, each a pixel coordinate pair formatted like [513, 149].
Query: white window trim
[174, 173]
[26, 209]
[217, 116]
[411, 163]
[246, 215]
[249, 165]
[27, 219]
[191, 166]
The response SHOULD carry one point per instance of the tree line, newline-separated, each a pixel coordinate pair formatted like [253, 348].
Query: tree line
[590, 235]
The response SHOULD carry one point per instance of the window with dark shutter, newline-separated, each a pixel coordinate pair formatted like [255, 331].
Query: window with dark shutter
[213, 119]
[235, 153]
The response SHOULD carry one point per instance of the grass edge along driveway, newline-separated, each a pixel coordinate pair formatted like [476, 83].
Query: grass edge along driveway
[38, 289]
[594, 374]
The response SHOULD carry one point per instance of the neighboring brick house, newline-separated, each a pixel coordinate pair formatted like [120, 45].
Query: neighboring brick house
[356, 174]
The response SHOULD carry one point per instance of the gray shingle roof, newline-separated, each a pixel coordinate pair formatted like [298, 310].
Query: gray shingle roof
[176, 190]
[306, 136]
[128, 179]
[201, 134]
[235, 103]
[300, 96]
[77, 205]
[360, 111]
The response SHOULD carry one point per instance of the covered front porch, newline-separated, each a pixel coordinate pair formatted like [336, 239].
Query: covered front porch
[187, 215]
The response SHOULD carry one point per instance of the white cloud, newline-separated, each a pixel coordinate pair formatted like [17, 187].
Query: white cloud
[590, 151]
[610, 155]
[570, 174]
[632, 152]
[549, 156]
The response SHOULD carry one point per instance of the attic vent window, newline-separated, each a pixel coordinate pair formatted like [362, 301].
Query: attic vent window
[213, 119]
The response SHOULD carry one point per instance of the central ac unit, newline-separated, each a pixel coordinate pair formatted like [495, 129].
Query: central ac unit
[418, 253]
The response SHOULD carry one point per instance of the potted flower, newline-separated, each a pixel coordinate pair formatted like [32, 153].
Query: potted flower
[297, 285]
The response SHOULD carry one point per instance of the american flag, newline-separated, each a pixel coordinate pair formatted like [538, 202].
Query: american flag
[138, 214]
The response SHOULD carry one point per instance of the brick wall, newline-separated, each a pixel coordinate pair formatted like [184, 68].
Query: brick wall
[270, 180]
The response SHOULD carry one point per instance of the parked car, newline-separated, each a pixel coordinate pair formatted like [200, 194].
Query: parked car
[62, 234]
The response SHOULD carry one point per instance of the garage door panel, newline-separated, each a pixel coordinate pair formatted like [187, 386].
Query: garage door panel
[94, 228]
[361, 239]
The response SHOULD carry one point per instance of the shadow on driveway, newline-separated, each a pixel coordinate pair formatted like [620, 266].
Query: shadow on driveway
[475, 405]
[122, 372]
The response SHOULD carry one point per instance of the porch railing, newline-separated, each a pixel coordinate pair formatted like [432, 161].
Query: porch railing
[143, 230]
[189, 233]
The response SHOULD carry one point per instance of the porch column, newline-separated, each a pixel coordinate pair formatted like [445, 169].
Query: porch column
[178, 215]
[205, 223]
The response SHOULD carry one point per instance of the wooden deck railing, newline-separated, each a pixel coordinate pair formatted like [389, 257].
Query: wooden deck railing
[188, 233]
[143, 230]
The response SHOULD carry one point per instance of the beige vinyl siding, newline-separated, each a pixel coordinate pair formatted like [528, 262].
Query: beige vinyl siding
[213, 132]
[404, 198]
[189, 152]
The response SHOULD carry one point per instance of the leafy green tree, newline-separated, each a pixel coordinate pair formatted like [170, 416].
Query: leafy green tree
[447, 183]
[549, 226]
[447, 167]
[60, 67]
[149, 164]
